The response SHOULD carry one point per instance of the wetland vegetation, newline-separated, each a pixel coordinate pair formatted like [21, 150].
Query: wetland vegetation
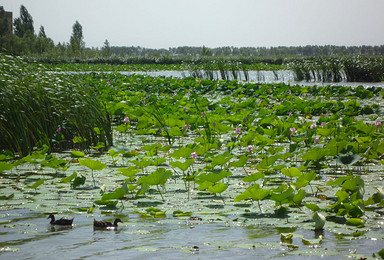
[237, 158]
[210, 163]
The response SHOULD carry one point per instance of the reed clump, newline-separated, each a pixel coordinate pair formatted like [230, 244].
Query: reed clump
[38, 108]
[338, 68]
[221, 69]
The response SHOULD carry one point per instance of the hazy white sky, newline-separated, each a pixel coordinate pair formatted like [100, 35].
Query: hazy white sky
[213, 23]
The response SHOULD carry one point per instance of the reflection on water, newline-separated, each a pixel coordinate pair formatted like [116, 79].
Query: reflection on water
[285, 76]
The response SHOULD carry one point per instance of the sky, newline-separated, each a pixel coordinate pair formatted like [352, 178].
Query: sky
[213, 23]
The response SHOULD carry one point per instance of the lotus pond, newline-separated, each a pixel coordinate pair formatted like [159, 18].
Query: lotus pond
[205, 168]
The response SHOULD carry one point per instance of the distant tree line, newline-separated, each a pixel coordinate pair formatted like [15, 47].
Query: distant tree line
[309, 50]
[24, 41]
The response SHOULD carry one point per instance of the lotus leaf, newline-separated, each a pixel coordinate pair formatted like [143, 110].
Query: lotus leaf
[291, 172]
[282, 197]
[100, 145]
[349, 158]
[325, 131]
[128, 172]
[240, 163]
[77, 154]
[381, 253]
[152, 147]
[253, 192]
[355, 222]
[107, 203]
[304, 179]
[182, 152]
[221, 159]
[142, 163]
[353, 184]
[78, 181]
[217, 188]
[182, 166]
[313, 207]
[69, 178]
[179, 213]
[254, 177]
[4, 166]
[286, 237]
[310, 242]
[212, 177]
[117, 194]
[298, 197]
[158, 177]
[92, 164]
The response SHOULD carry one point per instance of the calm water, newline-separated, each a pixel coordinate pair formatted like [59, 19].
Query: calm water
[143, 238]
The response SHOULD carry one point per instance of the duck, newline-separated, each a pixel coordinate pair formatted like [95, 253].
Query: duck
[62, 221]
[106, 224]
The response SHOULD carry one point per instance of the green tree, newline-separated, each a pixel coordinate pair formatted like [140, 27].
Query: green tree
[24, 24]
[4, 27]
[42, 33]
[43, 43]
[106, 50]
[76, 41]
[206, 51]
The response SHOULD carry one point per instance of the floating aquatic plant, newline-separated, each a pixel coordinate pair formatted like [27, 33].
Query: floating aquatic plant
[94, 165]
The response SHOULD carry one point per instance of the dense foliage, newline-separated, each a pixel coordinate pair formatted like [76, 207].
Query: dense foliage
[38, 108]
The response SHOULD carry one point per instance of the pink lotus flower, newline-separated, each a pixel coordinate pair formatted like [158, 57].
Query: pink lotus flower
[313, 126]
[58, 130]
[185, 109]
[378, 123]
[293, 130]
[185, 127]
[323, 124]
[237, 131]
[214, 124]
[203, 114]
[316, 141]
[126, 119]
[194, 155]
[250, 148]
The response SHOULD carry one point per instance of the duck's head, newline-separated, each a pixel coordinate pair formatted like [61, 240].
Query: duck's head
[117, 221]
[51, 216]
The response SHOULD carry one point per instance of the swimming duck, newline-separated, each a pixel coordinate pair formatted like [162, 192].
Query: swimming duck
[106, 224]
[62, 221]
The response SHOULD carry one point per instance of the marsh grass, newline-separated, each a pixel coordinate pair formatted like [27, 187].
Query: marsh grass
[337, 69]
[37, 108]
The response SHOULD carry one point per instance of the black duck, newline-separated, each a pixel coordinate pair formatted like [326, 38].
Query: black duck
[62, 221]
[106, 224]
